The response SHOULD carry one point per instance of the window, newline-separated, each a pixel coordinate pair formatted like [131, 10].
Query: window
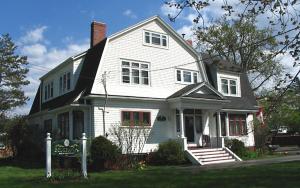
[48, 93]
[186, 76]
[63, 125]
[223, 124]
[237, 124]
[78, 124]
[136, 118]
[64, 82]
[48, 126]
[177, 121]
[155, 39]
[229, 86]
[135, 73]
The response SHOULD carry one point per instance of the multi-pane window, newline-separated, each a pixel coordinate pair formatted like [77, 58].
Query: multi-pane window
[78, 124]
[63, 125]
[229, 86]
[48, 126]
[156, 39]
[136, 118]
[186, 76]
[237, 124]
[48, 91]
[135, 73]
[64, 82]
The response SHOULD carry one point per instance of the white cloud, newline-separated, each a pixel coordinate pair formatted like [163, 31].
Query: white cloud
[42, 58]
[129, 13]
[33, 36]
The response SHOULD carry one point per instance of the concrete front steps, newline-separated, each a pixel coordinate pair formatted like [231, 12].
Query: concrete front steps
[212, 155]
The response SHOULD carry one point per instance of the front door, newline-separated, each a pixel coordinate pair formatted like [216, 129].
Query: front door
[189, 128]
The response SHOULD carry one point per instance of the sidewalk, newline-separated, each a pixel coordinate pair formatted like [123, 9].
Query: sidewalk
[245, 163]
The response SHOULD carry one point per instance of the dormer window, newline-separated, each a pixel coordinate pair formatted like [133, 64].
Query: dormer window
[228, 86]
[155, 39]
[186, 76]
[65, 82]
[48, 91]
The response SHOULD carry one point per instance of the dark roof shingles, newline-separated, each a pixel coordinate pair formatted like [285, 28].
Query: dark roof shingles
[84, 84]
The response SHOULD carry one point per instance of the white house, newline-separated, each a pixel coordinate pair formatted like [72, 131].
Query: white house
[151, 75]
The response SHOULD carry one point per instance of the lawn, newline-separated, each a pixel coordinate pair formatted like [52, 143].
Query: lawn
[276, 175]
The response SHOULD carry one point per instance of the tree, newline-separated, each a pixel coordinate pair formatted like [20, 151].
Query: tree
[233, 40]
[282, 16]
[287, 112]
[13, 72]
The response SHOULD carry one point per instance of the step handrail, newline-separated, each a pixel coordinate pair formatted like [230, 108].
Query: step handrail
[233, 154]
[193, 158]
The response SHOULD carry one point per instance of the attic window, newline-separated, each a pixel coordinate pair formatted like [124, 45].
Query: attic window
[155, 39]
[186, 76]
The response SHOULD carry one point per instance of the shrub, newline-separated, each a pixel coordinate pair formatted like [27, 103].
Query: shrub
[102, 151]
[26, 140]
[169, 153]
[237, 146]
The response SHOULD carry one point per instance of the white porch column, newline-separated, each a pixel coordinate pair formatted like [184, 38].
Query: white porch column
[227, 124]
[85, 122]
[219, 134]
[71, 124]
[181, 123]
[182, 135]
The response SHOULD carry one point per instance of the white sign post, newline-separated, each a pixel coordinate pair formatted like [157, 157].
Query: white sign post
[66, 143]
[83, 157]
[48, 155]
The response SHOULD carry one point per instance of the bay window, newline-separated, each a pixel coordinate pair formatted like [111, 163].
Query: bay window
[136, 118]
[135, 73]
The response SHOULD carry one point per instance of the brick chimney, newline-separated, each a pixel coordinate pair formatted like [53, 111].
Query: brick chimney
[98, 32]
[190, 42]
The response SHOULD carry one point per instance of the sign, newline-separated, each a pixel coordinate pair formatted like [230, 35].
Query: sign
[65, 148]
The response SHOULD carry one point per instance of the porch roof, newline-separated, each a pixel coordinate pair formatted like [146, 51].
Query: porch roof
[191, 91]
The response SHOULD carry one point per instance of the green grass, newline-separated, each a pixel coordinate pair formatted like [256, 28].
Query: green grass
[276, 175]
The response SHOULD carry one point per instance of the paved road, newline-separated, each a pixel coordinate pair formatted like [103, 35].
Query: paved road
[245, 163]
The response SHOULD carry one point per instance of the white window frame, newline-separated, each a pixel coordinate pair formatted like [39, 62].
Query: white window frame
[130, 71]
[182, 78]
[64, 90]
[229, 77]
[150, 41]
[48, 85]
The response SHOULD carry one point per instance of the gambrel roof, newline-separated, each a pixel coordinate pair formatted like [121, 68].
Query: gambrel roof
[83, 85]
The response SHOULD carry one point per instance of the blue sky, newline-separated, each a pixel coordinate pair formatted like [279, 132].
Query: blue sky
[48, 32]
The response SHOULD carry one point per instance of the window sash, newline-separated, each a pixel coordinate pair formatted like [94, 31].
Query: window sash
[237, 125]
[229, 86]
[136, 118]
[186, 76]
[156, 39]
[135, 73]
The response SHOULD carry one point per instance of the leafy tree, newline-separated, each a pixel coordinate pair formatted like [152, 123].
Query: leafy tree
[12, 76]
[233, 40]
[282, 16]
[287, 112]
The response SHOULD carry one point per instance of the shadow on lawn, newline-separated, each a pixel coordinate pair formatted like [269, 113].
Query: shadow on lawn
[22, 163]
